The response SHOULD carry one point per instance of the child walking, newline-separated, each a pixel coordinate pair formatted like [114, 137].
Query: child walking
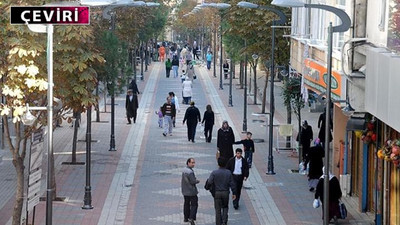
[160, 118]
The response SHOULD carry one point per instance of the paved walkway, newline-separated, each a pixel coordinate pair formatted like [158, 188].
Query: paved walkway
[140, 182]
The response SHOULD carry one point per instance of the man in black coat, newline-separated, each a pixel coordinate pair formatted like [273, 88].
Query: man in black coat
[240, 171]
[225, 140]
[304, 138]
[192, 116]
[131, 105]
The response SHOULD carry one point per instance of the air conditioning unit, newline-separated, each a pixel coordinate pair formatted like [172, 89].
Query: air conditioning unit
[345, 181]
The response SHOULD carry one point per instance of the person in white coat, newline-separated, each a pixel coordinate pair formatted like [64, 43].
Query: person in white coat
[187, 90]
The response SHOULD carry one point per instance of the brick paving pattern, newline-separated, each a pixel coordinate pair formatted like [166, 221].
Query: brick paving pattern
[140, 182]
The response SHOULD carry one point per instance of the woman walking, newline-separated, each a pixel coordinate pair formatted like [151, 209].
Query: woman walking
[315, 155]
[168, 67]
[187, 90]
[208, 121]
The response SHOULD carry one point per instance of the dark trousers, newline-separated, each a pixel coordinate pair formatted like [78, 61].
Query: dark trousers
[238, 180]
[208, 65]
[208, 133]
[190, 207]
[221, 203]
[249, 157]
[191, 131]
[132, 115]
[168, 71]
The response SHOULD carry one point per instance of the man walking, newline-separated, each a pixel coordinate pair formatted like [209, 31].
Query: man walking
[248, 145]
[192, 116]
[131, 105]
[222, 181]
[169, 112]
[189, 192]
[209, 58]
[240, 171]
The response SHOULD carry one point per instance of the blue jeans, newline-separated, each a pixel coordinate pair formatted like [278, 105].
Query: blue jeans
[248, 155]
[208, 65]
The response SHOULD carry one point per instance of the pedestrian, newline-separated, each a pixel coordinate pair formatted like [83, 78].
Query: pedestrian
[133, 87]
[304, 138]
[335, 193]
[160, 117]
[131, 106]
[169, 112]
[208, 121]
[223, 181]
[188, 57]
[225, 140]
[316, 164]
[175, 101]
[192, 116]
[209, 58]
[225, 66]
[248, 146]
[189, 192]
[321, 126]
[187, 90]
[161, 51]
[240, 171]
[175, 65]
[168, 67]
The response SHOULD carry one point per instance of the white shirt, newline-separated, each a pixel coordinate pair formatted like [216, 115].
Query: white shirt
[130, 97]
[238, 166]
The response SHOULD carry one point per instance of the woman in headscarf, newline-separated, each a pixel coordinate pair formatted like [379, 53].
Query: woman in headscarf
[225, 140]
[335, 193]
[315, 155]
[187, 90]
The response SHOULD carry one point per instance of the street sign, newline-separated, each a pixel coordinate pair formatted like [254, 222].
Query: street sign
[33, 202]
[35, 176]
[36, 156]
[61, 15]
[34, 189]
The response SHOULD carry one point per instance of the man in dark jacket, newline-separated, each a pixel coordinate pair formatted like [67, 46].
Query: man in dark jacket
[222, 181]
[240, 171]
[189, 192]
[225, 140]
[169, 112]
[192, 116]
[304, 138]
[131, 105]
[248, 145]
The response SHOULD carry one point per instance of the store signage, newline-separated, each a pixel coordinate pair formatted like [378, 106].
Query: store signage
[63, 15]
[316, 78]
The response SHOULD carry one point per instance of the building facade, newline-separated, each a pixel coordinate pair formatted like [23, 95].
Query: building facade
[365, 74]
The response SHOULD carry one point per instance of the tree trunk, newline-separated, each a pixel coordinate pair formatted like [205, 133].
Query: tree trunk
[233, 70]
[288, 121]
[105, 97]
[97, 106]
[75, 137]
[241, 74]
[19, 194]
[264, 101]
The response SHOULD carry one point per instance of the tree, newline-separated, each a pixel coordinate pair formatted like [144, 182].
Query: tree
[293, 100]
[23, 71]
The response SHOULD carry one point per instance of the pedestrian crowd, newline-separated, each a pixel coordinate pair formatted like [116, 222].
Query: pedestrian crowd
[312, 161]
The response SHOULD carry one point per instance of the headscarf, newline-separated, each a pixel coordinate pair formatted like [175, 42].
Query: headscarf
[330, 174]
[222, 127]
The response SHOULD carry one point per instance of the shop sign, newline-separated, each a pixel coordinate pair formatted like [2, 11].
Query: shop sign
[316, 78]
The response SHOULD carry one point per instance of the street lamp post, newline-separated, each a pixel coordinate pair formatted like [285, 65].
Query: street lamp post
[245, 90]
[221, 86]
[230, 85]
[343, 27]
[255, 58]
[282, 20]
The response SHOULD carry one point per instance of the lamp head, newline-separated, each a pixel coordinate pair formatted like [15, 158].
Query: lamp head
[254, 56]
[27, 118]
[96, 2]
[247, 5]
[152, 4]
[288, 3]
[223, 5]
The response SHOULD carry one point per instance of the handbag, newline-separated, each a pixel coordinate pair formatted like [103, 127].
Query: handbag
[210, 187]
[343, 210]
[194, 77]
[316, 203]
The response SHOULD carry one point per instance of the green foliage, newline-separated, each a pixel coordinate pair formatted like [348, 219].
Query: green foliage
[292, 95]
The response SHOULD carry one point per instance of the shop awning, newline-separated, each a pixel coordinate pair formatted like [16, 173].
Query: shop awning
[355, 123]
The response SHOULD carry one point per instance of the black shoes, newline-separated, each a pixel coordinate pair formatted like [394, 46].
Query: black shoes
[191, 221]
[312, 189]
[164, 134]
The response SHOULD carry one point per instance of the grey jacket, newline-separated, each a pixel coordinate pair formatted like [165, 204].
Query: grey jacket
[189, 182]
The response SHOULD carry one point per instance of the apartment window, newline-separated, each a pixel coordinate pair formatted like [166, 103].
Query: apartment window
[318, 25]
[382, 11]
[341, 2]
[338, 38]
